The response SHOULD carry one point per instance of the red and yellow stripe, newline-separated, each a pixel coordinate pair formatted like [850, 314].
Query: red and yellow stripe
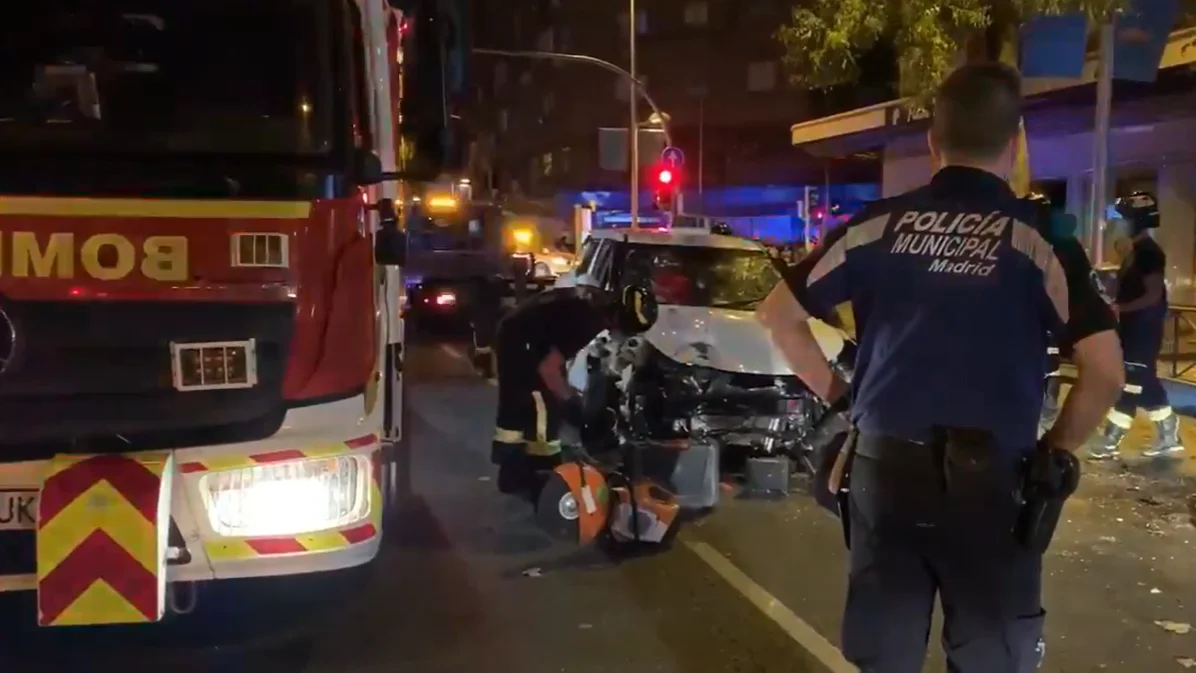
[227, 549]
[230, 461]
[101, 539]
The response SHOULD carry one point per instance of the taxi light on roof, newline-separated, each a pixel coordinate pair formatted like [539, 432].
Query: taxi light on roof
[214, 365]
[287, 498]
[446, 299]
[522, 236]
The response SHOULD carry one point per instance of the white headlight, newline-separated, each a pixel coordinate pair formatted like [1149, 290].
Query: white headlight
[287, 498]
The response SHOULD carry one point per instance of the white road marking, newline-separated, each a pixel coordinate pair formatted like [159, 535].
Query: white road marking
[797, 628]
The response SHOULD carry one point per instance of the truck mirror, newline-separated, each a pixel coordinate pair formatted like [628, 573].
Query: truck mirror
[368, 167]
[390, 241]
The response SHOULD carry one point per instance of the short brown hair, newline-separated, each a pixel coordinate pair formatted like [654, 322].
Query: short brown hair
[977, 111]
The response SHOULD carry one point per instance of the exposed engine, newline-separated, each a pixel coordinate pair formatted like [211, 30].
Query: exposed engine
[661, 400]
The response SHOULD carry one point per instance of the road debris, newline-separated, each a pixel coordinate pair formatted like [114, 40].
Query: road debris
[1179, 628]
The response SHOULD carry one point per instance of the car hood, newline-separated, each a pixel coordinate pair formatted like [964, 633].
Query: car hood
[728, 340]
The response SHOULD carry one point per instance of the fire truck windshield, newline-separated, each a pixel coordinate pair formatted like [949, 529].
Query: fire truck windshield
[166, 76]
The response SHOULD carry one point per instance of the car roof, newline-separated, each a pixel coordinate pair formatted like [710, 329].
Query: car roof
[697, 238]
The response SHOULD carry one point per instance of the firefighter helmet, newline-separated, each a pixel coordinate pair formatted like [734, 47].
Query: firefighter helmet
[1140, 209]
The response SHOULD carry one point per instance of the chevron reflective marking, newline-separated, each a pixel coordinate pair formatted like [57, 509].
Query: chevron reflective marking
[102, 539]
[232, 461]
[231, 549]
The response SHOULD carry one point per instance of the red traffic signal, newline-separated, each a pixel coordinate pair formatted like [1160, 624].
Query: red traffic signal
[664, 176]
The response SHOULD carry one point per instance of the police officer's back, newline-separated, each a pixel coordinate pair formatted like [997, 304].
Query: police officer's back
[955, 289]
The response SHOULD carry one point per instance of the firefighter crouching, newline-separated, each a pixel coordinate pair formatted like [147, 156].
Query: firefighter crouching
[955, 290]
[534, 343]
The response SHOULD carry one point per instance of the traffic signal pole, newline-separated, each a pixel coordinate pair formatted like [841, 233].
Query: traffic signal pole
[633, 127]
[637, 87]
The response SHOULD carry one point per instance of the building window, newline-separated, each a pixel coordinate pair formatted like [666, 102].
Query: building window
[697, 13]
[502, 121]
[762, 76]
[546, 164]
[546, 42]
[641, 22]
[549, 102]
[525, 78]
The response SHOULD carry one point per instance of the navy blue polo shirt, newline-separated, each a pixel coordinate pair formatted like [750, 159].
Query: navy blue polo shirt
[955, 288]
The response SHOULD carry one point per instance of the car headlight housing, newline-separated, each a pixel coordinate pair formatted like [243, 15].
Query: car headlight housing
[287, 498]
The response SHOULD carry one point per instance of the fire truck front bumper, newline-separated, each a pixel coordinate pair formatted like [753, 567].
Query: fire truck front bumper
[106, 538]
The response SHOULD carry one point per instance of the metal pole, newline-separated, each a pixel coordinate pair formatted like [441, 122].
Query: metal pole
[634, 123]
[701, 153]
[1099, 196]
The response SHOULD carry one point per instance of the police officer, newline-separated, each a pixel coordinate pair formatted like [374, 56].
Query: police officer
[1061, 229]
[1142, 308]
[535, 341]
[954, 292]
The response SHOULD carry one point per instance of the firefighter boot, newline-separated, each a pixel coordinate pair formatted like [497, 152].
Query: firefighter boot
[1166, 440]
[1107, 445]
[540, 469]
[515, 475]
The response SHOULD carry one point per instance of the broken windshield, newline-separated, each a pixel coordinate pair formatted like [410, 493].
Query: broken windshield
[166, 76]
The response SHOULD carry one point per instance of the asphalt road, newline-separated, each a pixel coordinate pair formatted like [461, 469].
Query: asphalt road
[467, 584]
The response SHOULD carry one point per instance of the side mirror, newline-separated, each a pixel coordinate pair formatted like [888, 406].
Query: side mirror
[390, 242]
[637, 310]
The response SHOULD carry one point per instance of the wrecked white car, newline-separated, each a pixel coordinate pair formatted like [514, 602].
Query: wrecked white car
[706, 372]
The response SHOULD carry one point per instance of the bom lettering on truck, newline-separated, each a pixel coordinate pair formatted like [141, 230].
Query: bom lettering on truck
[25, 254]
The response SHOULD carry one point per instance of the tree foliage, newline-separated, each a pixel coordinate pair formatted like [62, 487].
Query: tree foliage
[824, 39]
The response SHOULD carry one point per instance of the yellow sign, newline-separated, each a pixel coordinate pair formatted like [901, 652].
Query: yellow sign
[100, 256]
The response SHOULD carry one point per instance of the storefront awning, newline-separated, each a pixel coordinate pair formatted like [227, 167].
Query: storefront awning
[1052, 108]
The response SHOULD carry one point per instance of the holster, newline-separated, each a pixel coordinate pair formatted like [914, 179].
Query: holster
[1049, 478]
[843, 494]
[823, 463]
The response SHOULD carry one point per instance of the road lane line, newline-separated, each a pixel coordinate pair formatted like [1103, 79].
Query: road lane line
[797, 628]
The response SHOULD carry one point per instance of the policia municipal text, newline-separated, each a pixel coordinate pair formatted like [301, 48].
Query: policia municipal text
[955, 288]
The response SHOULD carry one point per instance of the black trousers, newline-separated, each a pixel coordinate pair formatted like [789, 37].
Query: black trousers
[529, 415]
[918, 530]
[1141, 341]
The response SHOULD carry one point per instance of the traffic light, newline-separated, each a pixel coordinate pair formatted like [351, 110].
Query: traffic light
[666, 180]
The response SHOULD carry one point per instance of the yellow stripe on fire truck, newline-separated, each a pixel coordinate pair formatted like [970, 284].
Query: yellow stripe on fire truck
[226, 549]
[101, 539]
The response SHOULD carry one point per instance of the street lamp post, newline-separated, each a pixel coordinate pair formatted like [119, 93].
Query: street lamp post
[636, 89]
[633, 128]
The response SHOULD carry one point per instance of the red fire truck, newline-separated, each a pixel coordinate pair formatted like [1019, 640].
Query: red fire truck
[200, 340]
